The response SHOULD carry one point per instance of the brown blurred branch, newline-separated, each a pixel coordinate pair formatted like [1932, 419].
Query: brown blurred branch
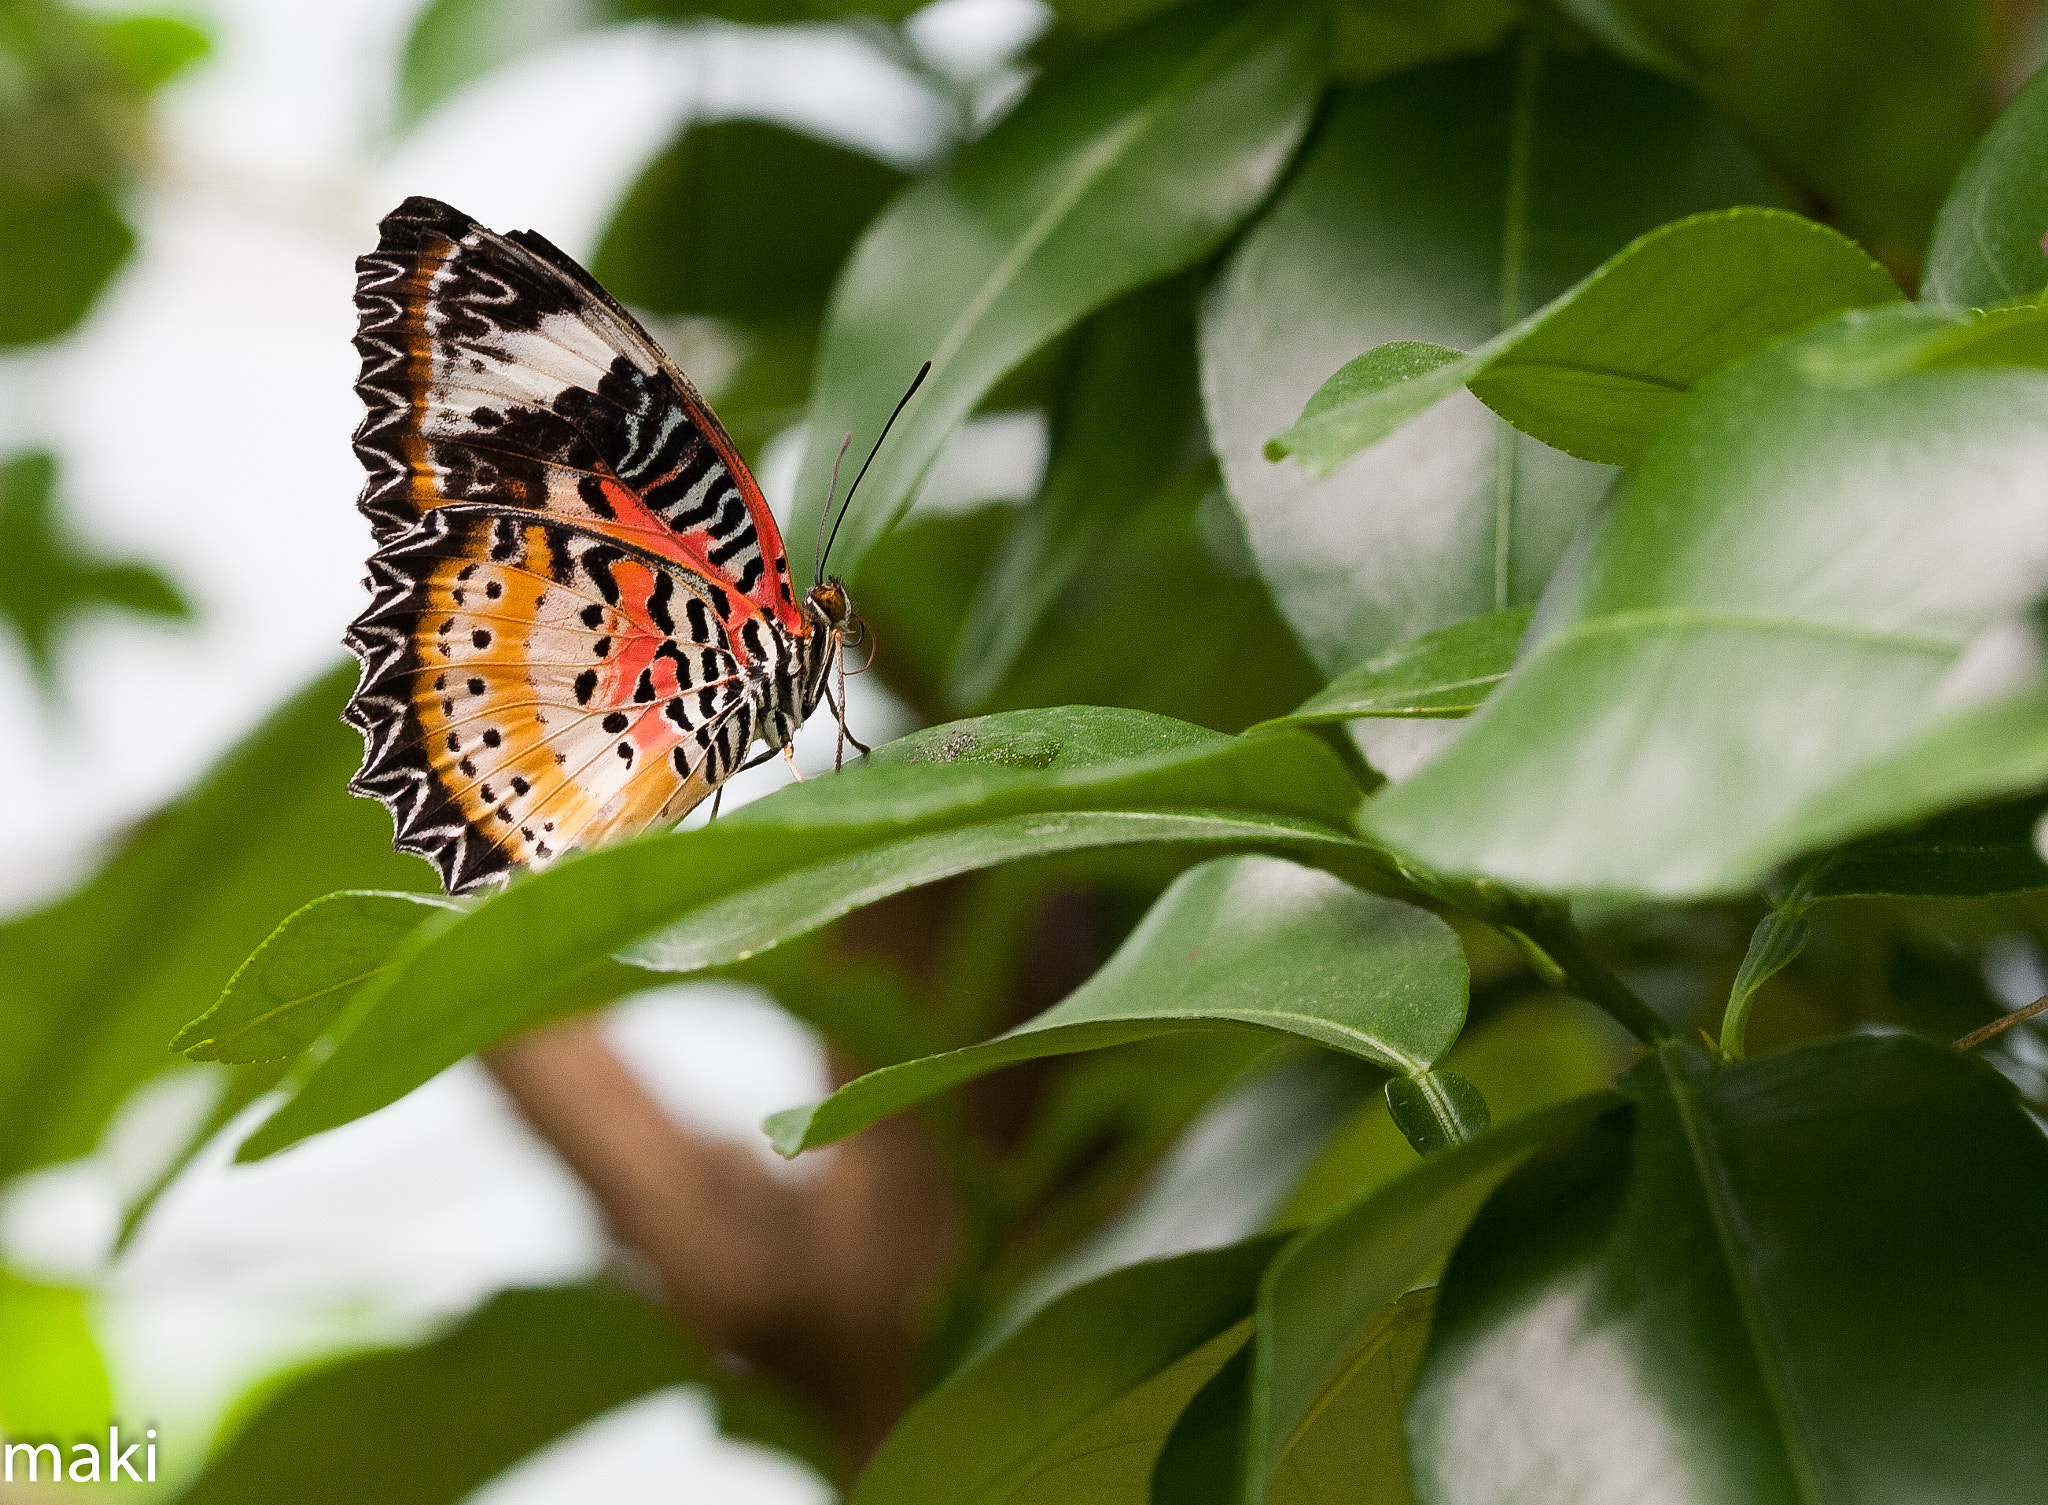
[818, 1282]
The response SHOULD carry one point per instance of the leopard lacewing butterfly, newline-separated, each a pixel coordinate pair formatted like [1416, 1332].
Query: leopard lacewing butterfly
[581, 614]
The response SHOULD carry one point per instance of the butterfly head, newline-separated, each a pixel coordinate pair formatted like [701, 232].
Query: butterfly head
[830, 604]
[832, 609]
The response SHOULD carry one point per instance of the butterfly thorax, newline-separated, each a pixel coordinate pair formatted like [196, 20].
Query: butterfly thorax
[834, 624]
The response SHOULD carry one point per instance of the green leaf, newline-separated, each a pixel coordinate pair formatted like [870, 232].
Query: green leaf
[1810, 1278]
[152, 50]
[92, 987]
[741, 220]
[1323, 1300]
[1437, 1109]
[1351, 1448]
[1182, 560]
[1870, 106]
[59, 243]
[1448, 672]
[446, 1416]
[1440, 206]
[1239, 941]
[1353, 1441]
[1202, 1462]
[1371, 395]
[53, 1386]
[299, 979]
[1598, 368]
[1078, 1403]
[1774, 945]
[1982, 753]
[1987, 244]
[1537, 1054]
[1379, 38]
[457, 41]
[1973, 853]
[1130, 164]
[941, 802]
[1222, 1180]
[46, 582]
[1755, 616]
[1128, 410]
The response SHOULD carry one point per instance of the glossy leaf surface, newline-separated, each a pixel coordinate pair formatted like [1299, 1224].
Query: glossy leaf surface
[1987, 239]
[1240, 941]
[1131, 163]
[1077, 1404]
[1437, 1109]
[298, 980]
[1227, 1177]
[1439, 207]
[1980, 754]
[1123, 431]
[1767, 1283]
[1977, 852]
[1448, 672]
[1350, 1448]
[1771, 600]
[1598, 368]
[944, 801]
[1325, 1297]
[1869, 107]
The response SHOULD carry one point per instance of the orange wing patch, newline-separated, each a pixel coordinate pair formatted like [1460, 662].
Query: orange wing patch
[550, 689]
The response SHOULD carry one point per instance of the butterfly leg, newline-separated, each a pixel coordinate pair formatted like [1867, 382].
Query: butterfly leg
[717, 795]
[846, 732]
[839, 715]
[789, 757]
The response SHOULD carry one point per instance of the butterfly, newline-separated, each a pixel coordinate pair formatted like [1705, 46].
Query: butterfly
[581, 615]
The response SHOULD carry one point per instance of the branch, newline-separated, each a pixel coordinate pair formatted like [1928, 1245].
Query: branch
[1560, 955]
[818, 1282]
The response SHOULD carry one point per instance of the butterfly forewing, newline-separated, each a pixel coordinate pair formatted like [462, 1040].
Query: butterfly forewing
[495, 370]
[581, 612]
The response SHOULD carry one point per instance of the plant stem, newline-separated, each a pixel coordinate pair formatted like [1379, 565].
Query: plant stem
[1337, 737]
[1977, 1037]
[1560, 955]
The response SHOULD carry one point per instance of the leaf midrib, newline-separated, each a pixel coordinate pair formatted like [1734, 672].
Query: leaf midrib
[1509, 365]
[1685, 619]
[298, 1002]
[1095, 165]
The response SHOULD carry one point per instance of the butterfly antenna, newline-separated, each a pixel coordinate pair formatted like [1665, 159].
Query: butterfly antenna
[915, 382]
[818, 543]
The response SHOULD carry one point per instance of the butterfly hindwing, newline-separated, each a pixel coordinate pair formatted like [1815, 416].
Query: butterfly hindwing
[495, 370]
[531, 685]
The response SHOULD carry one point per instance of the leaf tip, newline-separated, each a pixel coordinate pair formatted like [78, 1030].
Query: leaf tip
[790, 1129]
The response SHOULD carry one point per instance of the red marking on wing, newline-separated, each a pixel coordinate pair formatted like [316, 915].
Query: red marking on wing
[772, 593]
[635, 523]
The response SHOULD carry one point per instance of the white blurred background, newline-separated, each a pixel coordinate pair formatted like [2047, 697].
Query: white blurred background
[201, 416]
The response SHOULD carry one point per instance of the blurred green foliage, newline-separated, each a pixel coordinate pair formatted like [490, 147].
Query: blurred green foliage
[74, 94]
[48, 581]
[457, 1410]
